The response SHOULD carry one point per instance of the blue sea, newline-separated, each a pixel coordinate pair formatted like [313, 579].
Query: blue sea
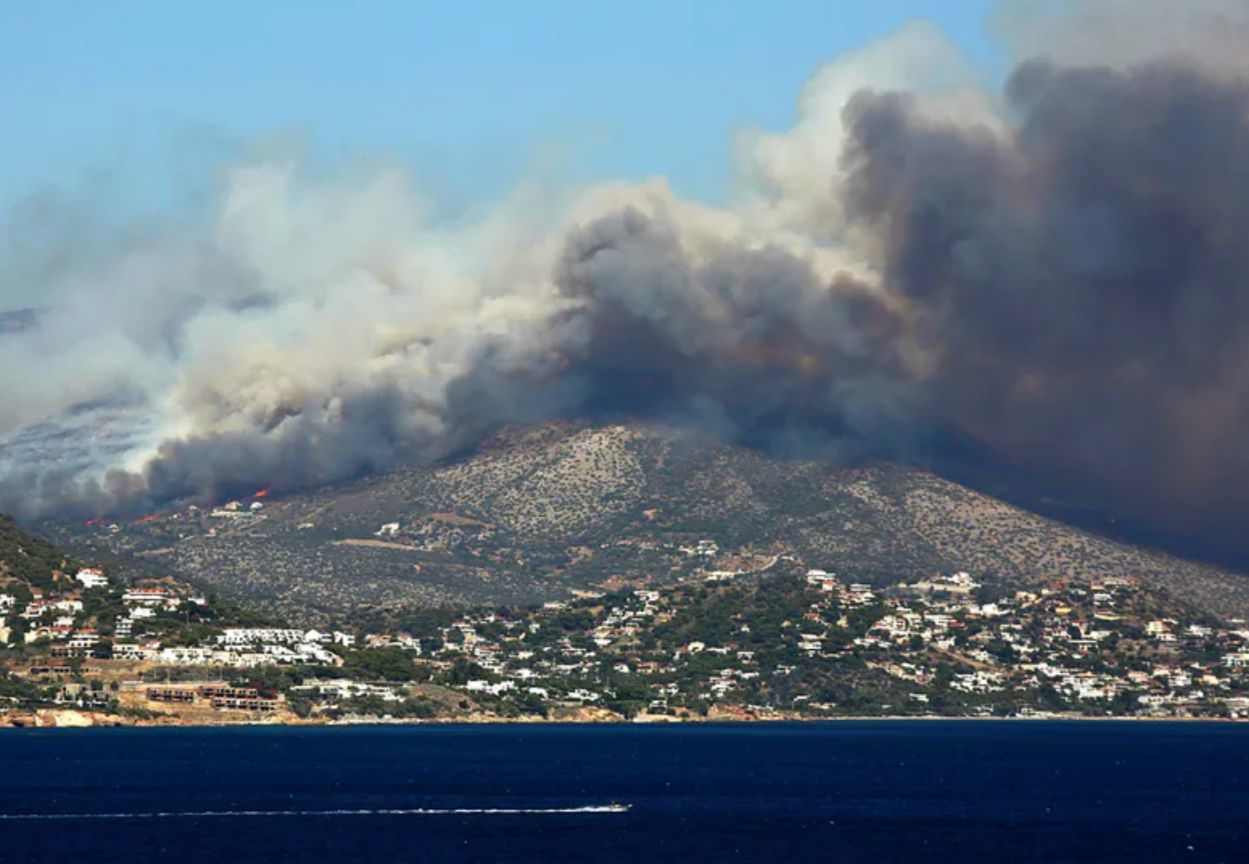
[984, 791]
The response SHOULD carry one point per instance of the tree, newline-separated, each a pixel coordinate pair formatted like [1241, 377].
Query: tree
[17, 632]
[1125, 702]
[387, 664]
[464, 670]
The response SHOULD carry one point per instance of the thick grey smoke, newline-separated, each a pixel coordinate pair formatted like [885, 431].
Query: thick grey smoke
[747, 342]
[1057, 272]
[1082, 282]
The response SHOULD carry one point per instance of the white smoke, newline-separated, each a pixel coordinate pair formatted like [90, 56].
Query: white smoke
[794, 176]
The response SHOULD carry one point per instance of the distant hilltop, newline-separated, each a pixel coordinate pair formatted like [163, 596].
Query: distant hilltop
[18, 320]
[538, 512]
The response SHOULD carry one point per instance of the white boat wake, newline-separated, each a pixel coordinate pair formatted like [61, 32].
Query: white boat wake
[409, 811]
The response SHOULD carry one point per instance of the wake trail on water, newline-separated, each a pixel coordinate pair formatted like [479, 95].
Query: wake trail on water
[410, 811]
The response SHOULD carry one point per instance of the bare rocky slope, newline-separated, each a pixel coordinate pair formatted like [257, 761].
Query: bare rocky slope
[536, 512]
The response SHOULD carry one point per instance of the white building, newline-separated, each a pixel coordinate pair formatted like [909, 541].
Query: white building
[131, 651]
[241, 636]
[151, 595]
[92, 577]
[84, 639]
[482, 686]
[344, 688]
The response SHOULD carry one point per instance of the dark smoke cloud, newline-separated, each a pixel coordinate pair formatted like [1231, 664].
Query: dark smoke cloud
[1082, 281]
[747, 342]
[1076, 284]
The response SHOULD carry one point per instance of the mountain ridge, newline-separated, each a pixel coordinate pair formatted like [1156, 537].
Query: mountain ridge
[536, 512]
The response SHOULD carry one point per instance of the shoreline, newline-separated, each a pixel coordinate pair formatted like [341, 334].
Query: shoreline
[87, 720]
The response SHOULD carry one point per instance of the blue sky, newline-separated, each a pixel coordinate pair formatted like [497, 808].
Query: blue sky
[469, 95]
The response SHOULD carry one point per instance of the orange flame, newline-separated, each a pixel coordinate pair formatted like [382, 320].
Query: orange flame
[262, 493]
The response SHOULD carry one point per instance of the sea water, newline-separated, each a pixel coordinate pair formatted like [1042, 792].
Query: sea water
[877, 791]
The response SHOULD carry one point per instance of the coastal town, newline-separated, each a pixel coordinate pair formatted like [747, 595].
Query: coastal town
[87, 645]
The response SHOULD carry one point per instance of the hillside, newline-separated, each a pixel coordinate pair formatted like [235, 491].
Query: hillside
[26, 557]
[538, 511]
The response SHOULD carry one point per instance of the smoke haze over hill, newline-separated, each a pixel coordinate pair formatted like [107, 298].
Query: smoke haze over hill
[1057, 271]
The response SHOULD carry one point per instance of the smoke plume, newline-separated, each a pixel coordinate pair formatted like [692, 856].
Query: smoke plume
[1057, 271]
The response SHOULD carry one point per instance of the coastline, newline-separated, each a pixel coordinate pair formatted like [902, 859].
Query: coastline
[58, 719]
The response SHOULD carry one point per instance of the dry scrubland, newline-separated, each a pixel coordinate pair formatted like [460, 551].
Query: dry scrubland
[537, 511]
